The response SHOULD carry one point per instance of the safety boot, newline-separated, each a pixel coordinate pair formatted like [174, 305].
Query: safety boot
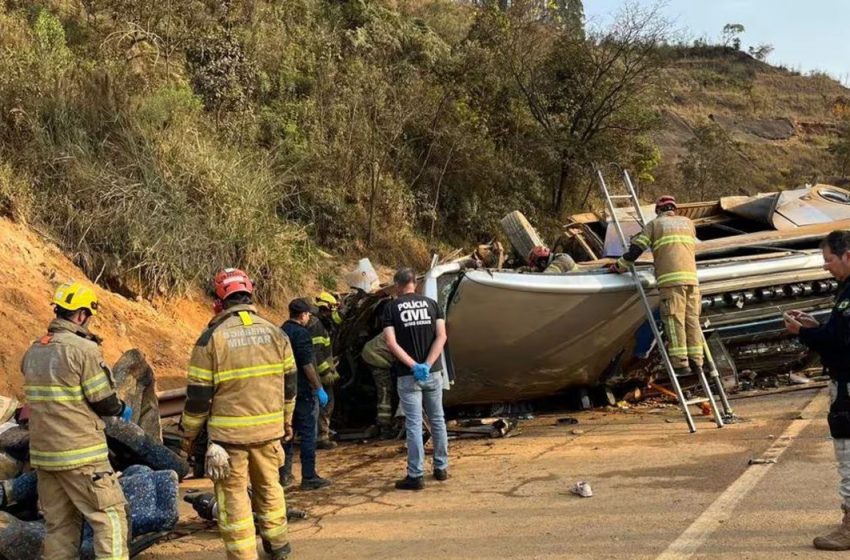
[286, 478]
[326, 444]
[315, 483]
[682, 371]
[281, 553]
[839, 539]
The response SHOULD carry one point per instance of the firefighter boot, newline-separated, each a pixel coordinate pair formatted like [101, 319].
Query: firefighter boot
[681, 372]
[839, 539]
[278, 553]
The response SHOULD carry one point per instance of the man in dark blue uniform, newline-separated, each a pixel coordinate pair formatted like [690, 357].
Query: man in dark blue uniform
[832, 342]
[309, 391]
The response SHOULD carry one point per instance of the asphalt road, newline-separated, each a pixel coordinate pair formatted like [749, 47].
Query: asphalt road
[659, 492]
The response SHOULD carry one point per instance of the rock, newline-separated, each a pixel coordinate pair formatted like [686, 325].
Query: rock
[576, 432]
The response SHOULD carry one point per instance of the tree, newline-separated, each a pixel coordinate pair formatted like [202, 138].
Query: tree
[730, 36]
[711, 165]
[569, 13]
[590, 96]
[761, 52]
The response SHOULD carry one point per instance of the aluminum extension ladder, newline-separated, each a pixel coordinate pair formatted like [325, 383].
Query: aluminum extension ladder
[684, 403]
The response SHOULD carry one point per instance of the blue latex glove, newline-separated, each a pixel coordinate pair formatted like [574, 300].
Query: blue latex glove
[421, 371]
[322, 395]
[126, 413]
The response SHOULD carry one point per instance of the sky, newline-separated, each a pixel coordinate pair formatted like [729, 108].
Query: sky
[812, 35]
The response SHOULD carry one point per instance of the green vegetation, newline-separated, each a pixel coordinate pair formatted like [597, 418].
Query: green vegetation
[159, 139]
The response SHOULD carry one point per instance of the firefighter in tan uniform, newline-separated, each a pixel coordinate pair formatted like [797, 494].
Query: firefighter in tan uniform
[541, 259]
[242, 386]
[378, 357]
[69, 389]
[321, 325]
[672, 239]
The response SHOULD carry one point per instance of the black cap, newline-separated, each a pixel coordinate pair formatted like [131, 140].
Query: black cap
[299, 306]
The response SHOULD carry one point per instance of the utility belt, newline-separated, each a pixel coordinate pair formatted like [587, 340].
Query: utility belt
[839, 411]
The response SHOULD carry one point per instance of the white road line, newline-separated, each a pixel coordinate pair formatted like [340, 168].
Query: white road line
[721, 509]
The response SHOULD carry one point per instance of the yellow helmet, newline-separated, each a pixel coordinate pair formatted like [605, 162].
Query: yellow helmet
[326, 299]
[75, 296]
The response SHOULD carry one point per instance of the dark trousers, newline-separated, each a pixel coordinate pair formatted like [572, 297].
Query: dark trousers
[304, 426]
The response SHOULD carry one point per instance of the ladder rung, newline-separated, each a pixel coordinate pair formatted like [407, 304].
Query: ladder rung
[697, 401]
[619, 196]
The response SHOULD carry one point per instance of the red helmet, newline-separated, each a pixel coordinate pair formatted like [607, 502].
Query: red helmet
[537, 254]
[665, 200]
[232, 281]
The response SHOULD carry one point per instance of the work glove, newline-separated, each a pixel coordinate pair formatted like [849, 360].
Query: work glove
[421, 371]
[217, 462]
[322, 395]
[126, 413]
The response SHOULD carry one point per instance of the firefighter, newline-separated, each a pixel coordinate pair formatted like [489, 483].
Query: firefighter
[672, 239]
[321, 326]
[541, 259]
[378, 357]
[70, 389]
[242, 386]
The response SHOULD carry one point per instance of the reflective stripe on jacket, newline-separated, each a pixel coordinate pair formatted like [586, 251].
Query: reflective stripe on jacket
[242, 379]
[322, 348]
[64, 371]
[672, 239]
[560, 264]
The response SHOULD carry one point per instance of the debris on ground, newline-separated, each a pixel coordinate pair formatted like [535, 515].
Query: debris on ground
[582, 488]
[567, 420]
[762, 462]
[149, 471]
[205, 505]
[483, 427]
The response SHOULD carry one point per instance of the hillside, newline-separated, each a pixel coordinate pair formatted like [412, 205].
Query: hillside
[32, 268]
[155, 142]
[779, 123]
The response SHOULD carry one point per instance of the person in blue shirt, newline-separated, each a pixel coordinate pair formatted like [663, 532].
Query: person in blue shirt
[310, 391]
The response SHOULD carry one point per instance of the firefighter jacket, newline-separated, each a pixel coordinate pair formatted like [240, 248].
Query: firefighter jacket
[831, 340]
[672, 239]
[242, 380]
[64, 377]
[377, 354]
[322, 351]
[559, 264]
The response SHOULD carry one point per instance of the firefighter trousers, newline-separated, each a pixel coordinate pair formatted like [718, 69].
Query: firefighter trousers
[258, 466]
[325, 414]
[92, 493]
[680, 309]
[383, 387]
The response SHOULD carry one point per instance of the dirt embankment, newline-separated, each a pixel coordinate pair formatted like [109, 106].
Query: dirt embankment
[30, 270]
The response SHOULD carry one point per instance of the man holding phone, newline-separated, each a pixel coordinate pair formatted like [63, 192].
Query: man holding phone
[832, 342]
